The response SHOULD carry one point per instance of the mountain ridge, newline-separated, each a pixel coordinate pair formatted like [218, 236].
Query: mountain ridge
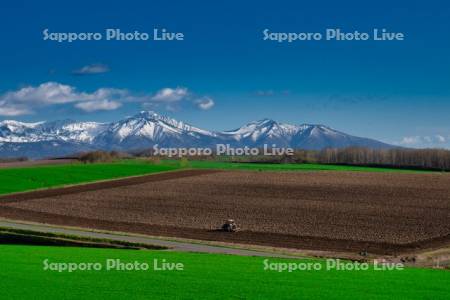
[147, 128]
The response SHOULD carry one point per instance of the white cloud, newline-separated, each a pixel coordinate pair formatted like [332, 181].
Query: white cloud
[45, 93]
[108, 93]
[205, 103]
[173, 99]
[424, 141]
[90, 106]
[440, 138]
[92, 69]
[170, 95]
[25, 100]
[410, 140]
[12, 110]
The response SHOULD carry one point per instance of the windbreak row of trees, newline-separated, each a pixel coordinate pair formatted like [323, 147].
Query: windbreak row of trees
[438, 159]
[429, 159]
[12, 159]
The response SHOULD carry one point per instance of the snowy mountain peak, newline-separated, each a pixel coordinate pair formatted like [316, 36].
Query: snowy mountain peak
[11, 124]
[16, 123]
[265, 128]
[148, 128]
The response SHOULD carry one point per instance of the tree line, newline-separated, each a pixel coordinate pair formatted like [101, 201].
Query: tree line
[436, 159]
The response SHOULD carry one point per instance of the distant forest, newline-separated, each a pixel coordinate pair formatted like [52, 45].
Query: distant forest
[424, 159]
[433, 159]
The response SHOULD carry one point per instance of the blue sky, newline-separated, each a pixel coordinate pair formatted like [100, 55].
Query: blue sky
[224, 74]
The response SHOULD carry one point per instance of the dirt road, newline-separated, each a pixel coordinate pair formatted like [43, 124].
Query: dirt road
[172, 245]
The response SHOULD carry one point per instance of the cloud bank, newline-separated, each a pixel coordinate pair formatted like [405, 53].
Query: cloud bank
[105, 104]
[27, 99]
[418, 141]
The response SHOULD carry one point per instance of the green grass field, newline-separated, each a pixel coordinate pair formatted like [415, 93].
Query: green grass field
[37, 177]
[30, 178]
[205, 276]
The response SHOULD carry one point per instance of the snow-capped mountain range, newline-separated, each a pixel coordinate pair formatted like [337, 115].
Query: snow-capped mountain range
[57, 138]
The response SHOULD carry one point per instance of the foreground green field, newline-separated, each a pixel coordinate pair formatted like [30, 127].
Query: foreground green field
[30, 178]
[204, 276]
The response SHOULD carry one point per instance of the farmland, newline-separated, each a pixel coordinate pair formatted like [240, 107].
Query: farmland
[39, 177]
[338, 209]
[28, 176]
[380, 212]
[205, 276]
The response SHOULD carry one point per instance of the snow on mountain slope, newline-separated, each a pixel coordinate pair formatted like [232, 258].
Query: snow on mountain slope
[149, 128]
[259, 129]
[13, 131]
[66, 130]
[305, 136]
[315, 137]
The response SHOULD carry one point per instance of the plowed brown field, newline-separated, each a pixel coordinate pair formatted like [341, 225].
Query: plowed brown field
[378, 212]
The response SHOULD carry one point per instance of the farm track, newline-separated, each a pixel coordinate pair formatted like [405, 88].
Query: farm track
[382, 213]
[242, 237]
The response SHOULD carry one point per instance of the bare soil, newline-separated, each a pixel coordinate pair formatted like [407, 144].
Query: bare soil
[31, 163]
[385, 213]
